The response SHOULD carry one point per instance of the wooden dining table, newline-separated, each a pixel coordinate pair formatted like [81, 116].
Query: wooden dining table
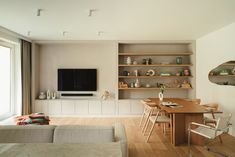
[181, 116]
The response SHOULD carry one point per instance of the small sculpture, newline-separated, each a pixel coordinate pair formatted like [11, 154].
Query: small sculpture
[106, 95]
[185, 84]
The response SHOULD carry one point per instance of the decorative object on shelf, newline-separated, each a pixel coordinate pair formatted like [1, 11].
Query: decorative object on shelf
[150, 72]
[185, 84]
[174, 84]
[136, 73]
[147, 85]
[48, 94]
[137, 83]
[106, 95]
[224, 72]
[233, 71]
[53, 95]
[177, 74]
[125, 73]
[132, 85]
[165, 74]
[135, 62]
[42, 96]
[122, 85]
[128, 60]
[186, 72]
[160, 94]
[178, 60]
[147, 61]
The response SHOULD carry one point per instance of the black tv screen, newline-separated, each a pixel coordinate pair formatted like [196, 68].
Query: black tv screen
[77, 79]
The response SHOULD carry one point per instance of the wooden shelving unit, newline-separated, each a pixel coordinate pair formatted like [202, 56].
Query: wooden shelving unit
[163, 60]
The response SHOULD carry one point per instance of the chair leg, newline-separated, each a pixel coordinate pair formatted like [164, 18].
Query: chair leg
[141, 120]
[146, 126]
[151, 130]
[189, 146]
[145, 122]
[220, 139]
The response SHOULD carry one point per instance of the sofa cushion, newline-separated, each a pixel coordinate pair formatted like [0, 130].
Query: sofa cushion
[83, 134]
[26, 134]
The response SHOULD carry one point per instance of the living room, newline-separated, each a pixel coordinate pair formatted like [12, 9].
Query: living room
[128, 56]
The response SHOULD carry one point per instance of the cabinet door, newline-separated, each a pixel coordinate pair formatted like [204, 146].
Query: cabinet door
[81, 107]
[68, 107]
[94, 107]
[124, 107]
[41, 106]
[54, 107]
[136, 107]
[108, 107]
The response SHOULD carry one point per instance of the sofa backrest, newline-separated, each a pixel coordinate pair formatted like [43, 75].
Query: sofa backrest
[26, 134]
[83, 134]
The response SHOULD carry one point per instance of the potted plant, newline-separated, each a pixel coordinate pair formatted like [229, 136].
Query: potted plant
[162, 88]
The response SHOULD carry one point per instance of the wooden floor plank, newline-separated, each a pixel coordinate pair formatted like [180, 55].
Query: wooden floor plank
[159, 144]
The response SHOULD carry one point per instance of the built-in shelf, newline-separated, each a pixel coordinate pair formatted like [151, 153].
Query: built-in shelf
[153, 65]
[221, 75]
[151, 88]
[147, 77]
[228, 64]
[154, 54]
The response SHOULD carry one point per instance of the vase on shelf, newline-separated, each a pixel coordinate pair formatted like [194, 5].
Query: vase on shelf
[160, 95]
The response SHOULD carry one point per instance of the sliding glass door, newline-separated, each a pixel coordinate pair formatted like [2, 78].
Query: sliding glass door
[6, 108]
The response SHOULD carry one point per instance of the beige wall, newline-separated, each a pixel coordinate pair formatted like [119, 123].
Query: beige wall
[101, 56]
[212, 50]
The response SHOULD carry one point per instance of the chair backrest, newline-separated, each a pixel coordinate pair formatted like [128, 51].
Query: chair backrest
[195, 101]
[223, 123]
[212, 107]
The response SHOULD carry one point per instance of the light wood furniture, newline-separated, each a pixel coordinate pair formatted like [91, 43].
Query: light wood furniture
[163, 57]
[181, 117]
[159, 118]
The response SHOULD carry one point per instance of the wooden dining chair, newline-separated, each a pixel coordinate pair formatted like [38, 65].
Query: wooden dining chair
[148, 111]
[212, 107]
[194, 101]
[159, 118]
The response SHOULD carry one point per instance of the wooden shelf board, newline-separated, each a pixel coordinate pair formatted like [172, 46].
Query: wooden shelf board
[153, 65]
[144, 88]
[155, 54]
[228, 64]
[221, 75]
[147, 77]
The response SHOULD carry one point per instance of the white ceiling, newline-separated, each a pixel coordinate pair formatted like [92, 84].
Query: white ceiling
[117, 19]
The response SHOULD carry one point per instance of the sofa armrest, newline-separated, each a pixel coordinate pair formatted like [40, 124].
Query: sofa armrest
[120, 136]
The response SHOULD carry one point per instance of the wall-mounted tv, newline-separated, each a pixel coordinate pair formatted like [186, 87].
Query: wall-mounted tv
[77, 79]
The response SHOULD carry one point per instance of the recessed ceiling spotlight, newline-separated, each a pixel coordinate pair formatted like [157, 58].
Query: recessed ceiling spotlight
[90, 12]
[29, 33]
[64, 33]
[39, 12]
[100, 33]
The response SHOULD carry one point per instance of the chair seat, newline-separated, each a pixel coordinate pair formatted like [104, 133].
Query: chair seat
[206, 132]
[160, 119]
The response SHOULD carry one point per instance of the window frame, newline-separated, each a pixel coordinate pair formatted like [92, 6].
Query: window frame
[12, 82]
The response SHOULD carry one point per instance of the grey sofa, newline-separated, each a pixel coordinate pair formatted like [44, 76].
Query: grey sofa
[111, 139]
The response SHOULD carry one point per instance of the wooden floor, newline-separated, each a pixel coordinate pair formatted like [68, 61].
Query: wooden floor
[159, 144]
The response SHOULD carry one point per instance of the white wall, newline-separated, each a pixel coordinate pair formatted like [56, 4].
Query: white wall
[101, 56]
[212, 50]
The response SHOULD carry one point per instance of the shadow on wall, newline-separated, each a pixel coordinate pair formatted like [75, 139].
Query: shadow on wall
[223, 74]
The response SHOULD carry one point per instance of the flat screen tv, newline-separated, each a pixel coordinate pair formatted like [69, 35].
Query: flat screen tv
[77, 79]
